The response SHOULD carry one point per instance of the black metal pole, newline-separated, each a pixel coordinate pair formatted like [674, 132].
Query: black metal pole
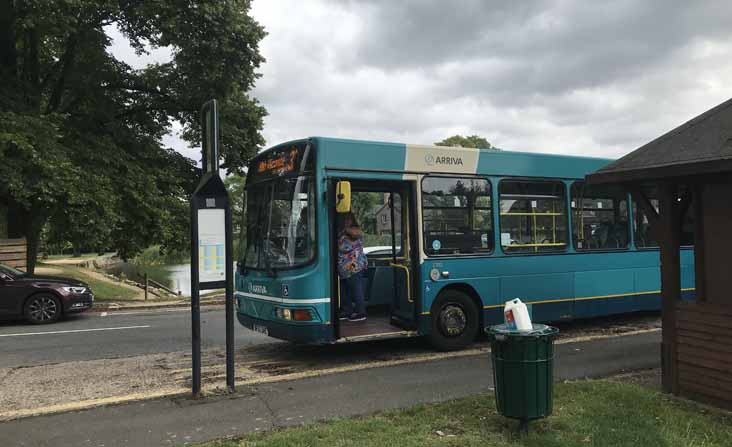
[229, 303]
[195, 305]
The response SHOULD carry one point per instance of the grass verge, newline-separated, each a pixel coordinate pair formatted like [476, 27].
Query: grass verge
[104, 289]
[588, 413]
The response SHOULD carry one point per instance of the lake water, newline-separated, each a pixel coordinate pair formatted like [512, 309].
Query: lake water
[176, 277]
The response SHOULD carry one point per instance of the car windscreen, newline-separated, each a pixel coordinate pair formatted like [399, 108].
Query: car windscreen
[10, 271]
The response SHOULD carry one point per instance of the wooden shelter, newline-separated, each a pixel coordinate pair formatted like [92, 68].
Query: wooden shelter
[689, 169]
[13, 253]
[13, 247]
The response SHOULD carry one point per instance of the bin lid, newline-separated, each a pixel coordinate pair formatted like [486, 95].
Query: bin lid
[537, 330]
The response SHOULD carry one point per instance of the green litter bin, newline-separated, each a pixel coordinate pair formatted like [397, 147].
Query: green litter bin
[523, 371]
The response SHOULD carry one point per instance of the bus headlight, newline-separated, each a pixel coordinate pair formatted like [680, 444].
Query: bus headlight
[293, 314]
[284, 314]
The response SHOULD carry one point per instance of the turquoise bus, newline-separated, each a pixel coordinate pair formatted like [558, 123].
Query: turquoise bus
[450, 234]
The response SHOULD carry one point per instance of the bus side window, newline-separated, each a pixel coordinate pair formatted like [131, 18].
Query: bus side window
[457, 215]
[533, 216]
[599, 217]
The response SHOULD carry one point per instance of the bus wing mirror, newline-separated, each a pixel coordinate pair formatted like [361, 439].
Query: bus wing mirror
[343, 197]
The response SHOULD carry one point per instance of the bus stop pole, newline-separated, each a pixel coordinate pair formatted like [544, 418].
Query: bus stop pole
[195, 307]
[229, 303]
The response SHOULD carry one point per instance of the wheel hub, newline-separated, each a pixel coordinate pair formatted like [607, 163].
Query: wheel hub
[43, 309]
[453, 320]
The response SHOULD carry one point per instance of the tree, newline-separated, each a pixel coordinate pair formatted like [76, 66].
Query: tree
[364, 205]
[235, 185]
[80, 131]
[461, 141]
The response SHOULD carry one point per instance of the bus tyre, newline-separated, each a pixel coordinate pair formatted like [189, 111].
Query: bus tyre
[454, 321]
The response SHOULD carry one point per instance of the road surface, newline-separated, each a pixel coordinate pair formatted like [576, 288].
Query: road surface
[93, 335]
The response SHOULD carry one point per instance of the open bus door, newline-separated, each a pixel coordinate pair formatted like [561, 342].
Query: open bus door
[402, 266]
[387, 211]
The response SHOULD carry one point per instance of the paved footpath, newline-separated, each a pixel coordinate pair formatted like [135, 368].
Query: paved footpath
[263, 407]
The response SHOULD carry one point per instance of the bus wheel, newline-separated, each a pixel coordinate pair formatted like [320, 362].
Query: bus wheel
[454, 321]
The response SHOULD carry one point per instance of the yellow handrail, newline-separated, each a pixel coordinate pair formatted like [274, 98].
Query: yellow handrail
[554, 224]
[536, 232]
[409, 282]
[531, 214]
[557, 244]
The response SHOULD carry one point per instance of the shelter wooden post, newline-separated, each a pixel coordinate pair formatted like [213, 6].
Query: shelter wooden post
[699, 240]
[670, 242]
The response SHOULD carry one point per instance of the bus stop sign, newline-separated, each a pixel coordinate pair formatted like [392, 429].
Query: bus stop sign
[211, 244]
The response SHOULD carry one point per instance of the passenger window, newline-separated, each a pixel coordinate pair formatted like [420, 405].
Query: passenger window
[457, 215]
[533, 216]
[599, 217]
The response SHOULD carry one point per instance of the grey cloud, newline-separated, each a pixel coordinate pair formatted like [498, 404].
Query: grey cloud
[573, 76]
[543, 46]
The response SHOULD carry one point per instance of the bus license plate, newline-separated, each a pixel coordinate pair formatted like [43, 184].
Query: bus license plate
[260, 329]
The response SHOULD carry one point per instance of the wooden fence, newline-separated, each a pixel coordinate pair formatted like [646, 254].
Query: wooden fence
[13, 253]
[704, 352]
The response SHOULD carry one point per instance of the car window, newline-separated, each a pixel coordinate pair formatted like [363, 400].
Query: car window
[9, 271]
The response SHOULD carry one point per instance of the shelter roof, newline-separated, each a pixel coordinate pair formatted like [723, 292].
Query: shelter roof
[700, 146]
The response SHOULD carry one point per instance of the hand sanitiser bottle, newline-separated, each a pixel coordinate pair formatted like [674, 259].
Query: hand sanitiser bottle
[517, 315]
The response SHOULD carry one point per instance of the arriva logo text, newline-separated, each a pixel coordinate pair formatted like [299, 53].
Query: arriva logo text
[257, 288]
[443, 160]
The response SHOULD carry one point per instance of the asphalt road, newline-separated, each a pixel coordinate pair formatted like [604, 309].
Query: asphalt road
[181, 421]
[93, 336]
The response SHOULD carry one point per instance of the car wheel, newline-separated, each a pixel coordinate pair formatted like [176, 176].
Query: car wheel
[42, 309]
[454, 321]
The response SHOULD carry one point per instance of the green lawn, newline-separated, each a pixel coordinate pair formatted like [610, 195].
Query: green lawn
[104, 290]
[588, 414]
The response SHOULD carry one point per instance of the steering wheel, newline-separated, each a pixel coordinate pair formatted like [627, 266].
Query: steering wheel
[277, 254]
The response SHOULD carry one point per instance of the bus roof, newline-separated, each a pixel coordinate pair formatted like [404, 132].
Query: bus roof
[361, 155]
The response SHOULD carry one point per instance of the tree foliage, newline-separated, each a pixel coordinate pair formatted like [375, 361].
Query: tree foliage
[364, 205]
[235, 184]
[469, 141]
[81, 131]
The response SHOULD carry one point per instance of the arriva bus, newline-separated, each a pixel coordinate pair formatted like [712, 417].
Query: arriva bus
[450, 234]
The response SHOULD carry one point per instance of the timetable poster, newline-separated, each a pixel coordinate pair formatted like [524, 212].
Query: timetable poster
[211, 245]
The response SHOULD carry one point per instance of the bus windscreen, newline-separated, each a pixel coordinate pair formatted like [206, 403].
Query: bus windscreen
[280, 210]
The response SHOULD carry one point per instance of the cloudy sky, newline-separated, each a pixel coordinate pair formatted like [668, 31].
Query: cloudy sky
[566, 76]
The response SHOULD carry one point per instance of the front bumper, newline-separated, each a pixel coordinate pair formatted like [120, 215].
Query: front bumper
[79, 303]
[297, 333]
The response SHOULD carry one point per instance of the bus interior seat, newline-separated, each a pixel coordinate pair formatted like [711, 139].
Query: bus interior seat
[379, 284]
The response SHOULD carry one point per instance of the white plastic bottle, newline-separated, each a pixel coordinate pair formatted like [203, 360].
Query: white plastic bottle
[517, 315]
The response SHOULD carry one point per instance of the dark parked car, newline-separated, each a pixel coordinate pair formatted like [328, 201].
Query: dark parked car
[41, 299]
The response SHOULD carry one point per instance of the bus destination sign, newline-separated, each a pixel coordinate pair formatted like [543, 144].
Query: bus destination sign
[280, 163]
